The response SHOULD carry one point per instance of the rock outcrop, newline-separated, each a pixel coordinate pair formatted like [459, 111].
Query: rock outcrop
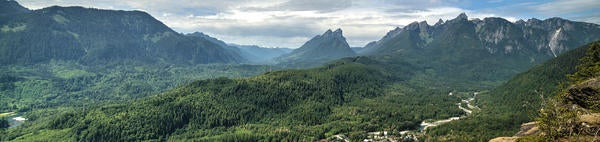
[577, 112]
[527, 129]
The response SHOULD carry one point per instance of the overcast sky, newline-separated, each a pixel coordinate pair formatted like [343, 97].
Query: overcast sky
[290, 23]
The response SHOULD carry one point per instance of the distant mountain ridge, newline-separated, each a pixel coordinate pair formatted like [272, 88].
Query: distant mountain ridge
[329, 46]
[488, 49]
[252, 54]
[261, 55]
[95, 36]
[551, 36]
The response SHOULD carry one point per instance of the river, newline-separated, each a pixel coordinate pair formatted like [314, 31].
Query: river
[425, 125]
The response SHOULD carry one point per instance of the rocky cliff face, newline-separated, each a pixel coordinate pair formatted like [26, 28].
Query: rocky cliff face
[549, 37]
[482, 49]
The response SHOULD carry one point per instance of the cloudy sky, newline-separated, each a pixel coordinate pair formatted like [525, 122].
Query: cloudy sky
[289, 23]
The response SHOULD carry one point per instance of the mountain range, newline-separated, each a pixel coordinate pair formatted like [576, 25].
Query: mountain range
[395, 84]
[484, 50]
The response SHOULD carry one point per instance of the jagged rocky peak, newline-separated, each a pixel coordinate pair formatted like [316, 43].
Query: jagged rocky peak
[423, 25]
[417, 26]
[520, 22]
[496, 20]
[412, 26]
[533, 21]
[555, 23]
[336, 33]
[339, 30]
[397, 29]
[392, 33]
[326, 47]
[462, 16]
[439, 22]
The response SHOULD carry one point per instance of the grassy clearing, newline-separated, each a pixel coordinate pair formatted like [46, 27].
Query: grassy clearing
[7, 114]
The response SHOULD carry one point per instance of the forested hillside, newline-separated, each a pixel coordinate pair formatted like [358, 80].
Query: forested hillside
[94, 36]
[75, 56]
[31, 87]
[508, 106]
[351, 96]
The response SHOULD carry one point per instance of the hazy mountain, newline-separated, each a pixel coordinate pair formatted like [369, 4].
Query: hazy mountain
[261, 55]
[329, 46]
[251, 53]
[488, 49]
[99, 36]
[356, 49]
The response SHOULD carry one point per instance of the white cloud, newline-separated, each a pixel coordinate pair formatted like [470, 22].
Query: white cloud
[567, 6]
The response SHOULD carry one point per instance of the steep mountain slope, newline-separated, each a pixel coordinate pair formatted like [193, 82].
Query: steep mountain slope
[329, 46]
[10, 7]
[513, 103]
[573, 114]
[491, 49]
[94, 36]
[73, 56]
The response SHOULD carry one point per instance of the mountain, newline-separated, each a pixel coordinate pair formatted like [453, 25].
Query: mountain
[356, 49]
[329, 46]
[93, 36]
[261, 55]
[515, 102]
[486, 50]
[207, 37]
[11, 7]
[251, 53]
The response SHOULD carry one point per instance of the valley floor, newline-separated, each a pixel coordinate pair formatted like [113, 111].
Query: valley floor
[415, 135]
